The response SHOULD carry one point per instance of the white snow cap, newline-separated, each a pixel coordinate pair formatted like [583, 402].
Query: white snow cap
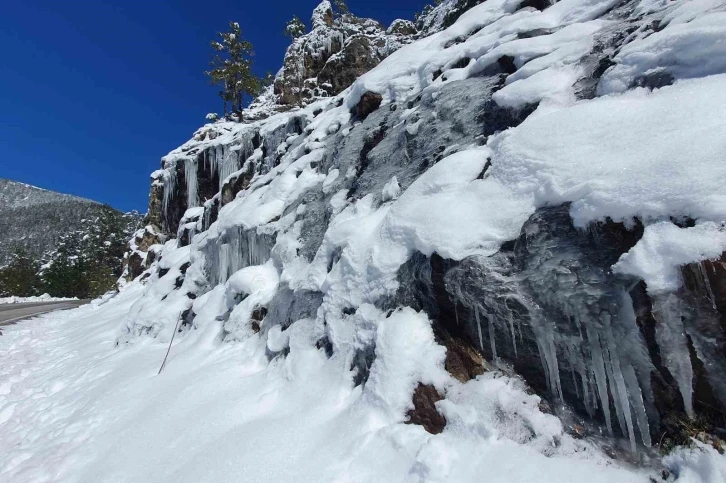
[323, 11]
[664, 248]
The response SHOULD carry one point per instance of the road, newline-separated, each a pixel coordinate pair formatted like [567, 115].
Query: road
[12, 313]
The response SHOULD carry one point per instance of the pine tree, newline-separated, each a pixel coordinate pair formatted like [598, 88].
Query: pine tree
[88, 262]
[232, 68]
[65, 274]
[20, 276]
[295, 28]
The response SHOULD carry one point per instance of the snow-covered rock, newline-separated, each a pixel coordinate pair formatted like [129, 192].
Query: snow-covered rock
[337, 50]
[487, 175]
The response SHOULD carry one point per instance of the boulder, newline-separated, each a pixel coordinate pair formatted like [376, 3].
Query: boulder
[369, 102]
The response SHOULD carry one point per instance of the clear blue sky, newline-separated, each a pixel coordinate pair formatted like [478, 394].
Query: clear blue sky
[94, 92]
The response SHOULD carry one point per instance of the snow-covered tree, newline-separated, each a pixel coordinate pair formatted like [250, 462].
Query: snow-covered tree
[20, 276]
[295, 28]
[87, 263]
[231, 67]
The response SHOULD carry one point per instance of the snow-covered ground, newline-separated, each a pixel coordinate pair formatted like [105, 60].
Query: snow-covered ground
[39, 298]
[74, 407]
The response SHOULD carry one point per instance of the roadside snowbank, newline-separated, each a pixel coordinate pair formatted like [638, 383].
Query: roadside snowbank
[36, 298]
[74, 407]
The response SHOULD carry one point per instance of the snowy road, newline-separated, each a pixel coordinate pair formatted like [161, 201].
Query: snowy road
[13, 313]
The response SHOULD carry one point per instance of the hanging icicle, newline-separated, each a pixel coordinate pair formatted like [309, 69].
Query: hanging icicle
[671, 337]
[192, 182]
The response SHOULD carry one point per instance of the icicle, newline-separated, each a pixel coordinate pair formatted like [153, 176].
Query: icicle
[190, 175]
[598, 368]
[634, 391]
[211, 156]
[590, 402]
[207, 217]
[671, 338]
[707, 284]
[620, 393]
[492, 338]
[169, 187]
[478, 325]
[609, 358]
[636, 400]
[514, 336]
[548, 356]
[223, 263]
[574, 382]
[456, 312]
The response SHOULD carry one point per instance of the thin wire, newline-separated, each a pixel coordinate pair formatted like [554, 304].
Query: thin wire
[163, 364]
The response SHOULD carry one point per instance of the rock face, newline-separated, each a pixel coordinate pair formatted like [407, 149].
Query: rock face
[334, 53]
[310, 195]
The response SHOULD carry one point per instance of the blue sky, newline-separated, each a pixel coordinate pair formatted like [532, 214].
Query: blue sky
[94, 92]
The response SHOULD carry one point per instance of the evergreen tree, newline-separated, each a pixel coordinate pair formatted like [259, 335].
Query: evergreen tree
[266, 81]
[231, 68]
[87, 263]
[20, 276]
[295, 28]
[65, 274]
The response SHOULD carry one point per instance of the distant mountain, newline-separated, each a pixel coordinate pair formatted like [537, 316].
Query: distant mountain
[35, 219]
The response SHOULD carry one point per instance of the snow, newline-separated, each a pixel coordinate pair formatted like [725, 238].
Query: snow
[699, 464]
[552, 85]
[320, 13]
[487, 213]
[36, 298]
[391, 191]
[602, 155]
[686, 48]
[664, 248]
[496, 23]
[73, 407]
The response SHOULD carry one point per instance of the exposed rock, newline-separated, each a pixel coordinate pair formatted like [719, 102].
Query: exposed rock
[369, 102]
[402, 28]
[462, 360]
[334, 53]
[236, 183]
[156, 200]
[424, 411]
[141, 251]
[358, 56]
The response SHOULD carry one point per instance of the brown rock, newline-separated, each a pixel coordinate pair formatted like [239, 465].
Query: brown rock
[369, 102]
[424, 410]
[156, 197]
[462, 360]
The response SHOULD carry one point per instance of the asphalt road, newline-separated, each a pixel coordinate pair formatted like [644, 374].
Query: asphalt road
[12, 313]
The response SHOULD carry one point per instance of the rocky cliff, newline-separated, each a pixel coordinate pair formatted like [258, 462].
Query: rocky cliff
[544, 183]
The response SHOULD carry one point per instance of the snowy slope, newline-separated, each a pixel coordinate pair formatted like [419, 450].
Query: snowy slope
[536, 183]
[73, 408]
